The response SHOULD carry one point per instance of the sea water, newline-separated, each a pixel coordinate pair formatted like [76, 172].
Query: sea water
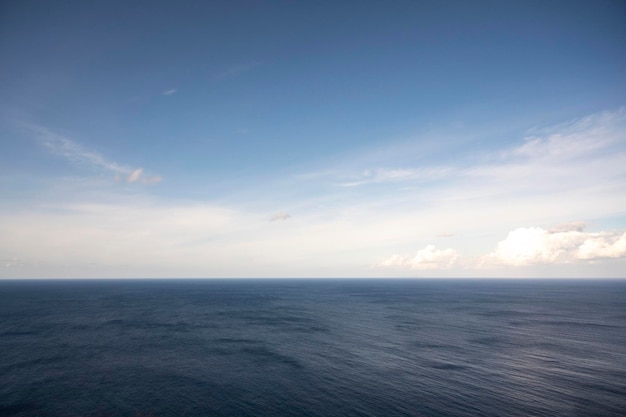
[313, 348]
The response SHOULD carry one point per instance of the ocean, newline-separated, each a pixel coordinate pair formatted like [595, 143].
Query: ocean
[326, 347]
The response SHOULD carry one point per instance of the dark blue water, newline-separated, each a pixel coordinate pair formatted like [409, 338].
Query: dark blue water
[313, 348]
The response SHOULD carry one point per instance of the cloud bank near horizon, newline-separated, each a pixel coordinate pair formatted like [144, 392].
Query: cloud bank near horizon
[524, 246]
[570, 171]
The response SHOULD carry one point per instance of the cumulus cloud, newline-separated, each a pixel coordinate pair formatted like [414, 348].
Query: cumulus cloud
[564, 244]
[525, 246]
[428, 258]
[280, 217]
[596, 247]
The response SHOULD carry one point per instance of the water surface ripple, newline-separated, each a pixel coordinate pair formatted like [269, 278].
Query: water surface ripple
[313, 348]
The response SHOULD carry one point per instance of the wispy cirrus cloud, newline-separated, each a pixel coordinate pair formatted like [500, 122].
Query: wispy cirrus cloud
[386, 175]
[170, 92]
[577, 138]
[583, 149]
[235, 70]
[78, 154]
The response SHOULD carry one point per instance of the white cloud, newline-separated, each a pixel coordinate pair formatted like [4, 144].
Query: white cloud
[428, 258]
[385, 175]
[78, 154]
[12, 263]
[74, 152]
[134, 176]
[170, 92]
[280, 217]
[339, 231]
[583, 155]
[568, 227]
[138, 176]
[535, 245]
[577, 138]
[607, 246]
[235, 70]
[143, 236]
[532, 245]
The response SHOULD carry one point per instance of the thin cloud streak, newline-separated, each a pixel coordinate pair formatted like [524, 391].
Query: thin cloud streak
[77, 154]
[569, 150]
[235, 71]
[138, 176]
[386, 175]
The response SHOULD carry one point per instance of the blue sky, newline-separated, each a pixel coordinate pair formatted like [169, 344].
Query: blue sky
[312, 139]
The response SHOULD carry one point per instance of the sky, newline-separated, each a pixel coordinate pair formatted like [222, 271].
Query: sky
[168, 139]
